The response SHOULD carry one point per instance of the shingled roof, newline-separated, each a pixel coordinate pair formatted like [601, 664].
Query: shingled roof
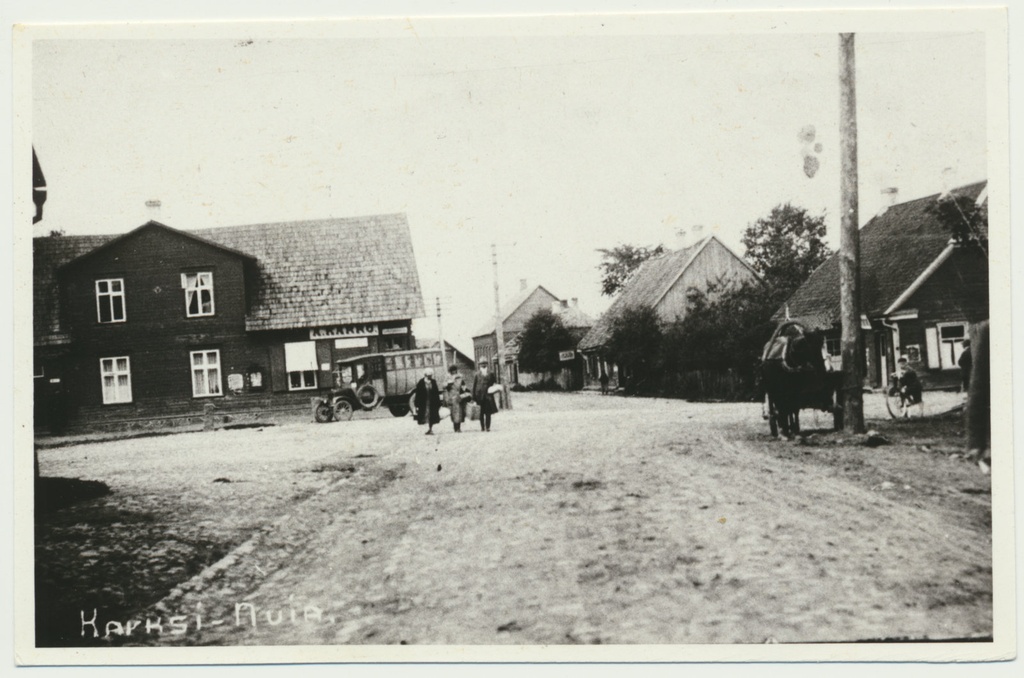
[49, 254]
[896, 246]
[650, 283]
[311, 273]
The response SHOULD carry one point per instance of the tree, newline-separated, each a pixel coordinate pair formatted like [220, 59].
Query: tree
[618, 265]
[964, 218]
[635, 344]
[724, 329]
[543, 337]
[785, 247]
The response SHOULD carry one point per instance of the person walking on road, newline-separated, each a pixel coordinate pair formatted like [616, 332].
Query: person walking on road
[456, 394]
[604, 382]
[428, 401]
[482, 383]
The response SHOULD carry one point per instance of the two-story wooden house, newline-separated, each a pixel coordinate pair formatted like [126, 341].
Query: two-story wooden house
[159, 322]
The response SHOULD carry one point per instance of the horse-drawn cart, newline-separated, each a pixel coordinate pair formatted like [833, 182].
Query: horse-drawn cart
[794, 377]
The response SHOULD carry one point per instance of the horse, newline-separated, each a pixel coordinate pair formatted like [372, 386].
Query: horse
[794, 377]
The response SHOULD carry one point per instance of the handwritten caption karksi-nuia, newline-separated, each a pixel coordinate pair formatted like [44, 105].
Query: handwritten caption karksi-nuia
[245, 615]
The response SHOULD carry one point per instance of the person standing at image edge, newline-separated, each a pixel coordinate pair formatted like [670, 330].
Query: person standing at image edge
[482, 381]
[428, 401]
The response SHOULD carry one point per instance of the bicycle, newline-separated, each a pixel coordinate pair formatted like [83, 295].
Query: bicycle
[900, 398]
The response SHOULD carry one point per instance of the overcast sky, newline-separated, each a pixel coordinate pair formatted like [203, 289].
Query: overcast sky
[550, 147]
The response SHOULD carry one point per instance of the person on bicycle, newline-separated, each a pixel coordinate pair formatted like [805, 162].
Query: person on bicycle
[908, 384]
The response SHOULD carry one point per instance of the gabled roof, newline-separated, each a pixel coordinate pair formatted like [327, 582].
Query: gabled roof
[433, 343]
[309, 273]
[49, 254]
[150, 225]
[896, 248]
[649, 285]
[510, 307]
[575, 319]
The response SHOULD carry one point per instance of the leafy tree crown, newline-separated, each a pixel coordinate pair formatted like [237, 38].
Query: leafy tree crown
[619, 264]
[786, 246]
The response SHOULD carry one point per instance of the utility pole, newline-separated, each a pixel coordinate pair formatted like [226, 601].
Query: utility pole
[499, 333]
[440, 340]
[849, 243]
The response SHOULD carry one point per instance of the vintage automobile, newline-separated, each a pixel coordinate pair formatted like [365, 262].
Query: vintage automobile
[368, 381]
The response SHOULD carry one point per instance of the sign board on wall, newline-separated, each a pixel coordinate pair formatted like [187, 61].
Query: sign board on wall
[395, 330]
[566, 355]
[352, 342]
[344, 331]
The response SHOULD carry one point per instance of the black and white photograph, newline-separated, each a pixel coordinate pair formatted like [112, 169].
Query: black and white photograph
[525, 338]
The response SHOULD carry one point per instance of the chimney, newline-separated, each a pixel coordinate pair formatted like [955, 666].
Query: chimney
[522, 284]
[682, 237]
[889, 197]
[575, 302]
[153, 210]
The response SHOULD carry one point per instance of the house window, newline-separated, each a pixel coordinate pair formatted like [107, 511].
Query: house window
[110, 300]
[198, 293]
[205, 373]
[116, 380]
[300, 363]
[951, 344]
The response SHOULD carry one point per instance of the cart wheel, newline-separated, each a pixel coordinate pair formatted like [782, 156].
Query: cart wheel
[342, 410]
[323, 412]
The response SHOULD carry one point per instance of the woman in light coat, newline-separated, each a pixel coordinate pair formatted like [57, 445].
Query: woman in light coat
[456, 395]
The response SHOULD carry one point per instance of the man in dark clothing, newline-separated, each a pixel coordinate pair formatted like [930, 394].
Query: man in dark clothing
[482, 383]
[428, 401]
[979, 402]
[909, 385]
[964, 363]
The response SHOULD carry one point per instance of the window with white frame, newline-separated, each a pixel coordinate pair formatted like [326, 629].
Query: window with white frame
[205, 373]
[198, 293]
[110, 300]
[951, 344]
[116, 380]
[300, 363]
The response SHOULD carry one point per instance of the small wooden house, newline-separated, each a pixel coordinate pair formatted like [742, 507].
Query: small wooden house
[922, 292]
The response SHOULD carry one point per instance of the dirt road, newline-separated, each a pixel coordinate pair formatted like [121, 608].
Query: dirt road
[577, 519]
